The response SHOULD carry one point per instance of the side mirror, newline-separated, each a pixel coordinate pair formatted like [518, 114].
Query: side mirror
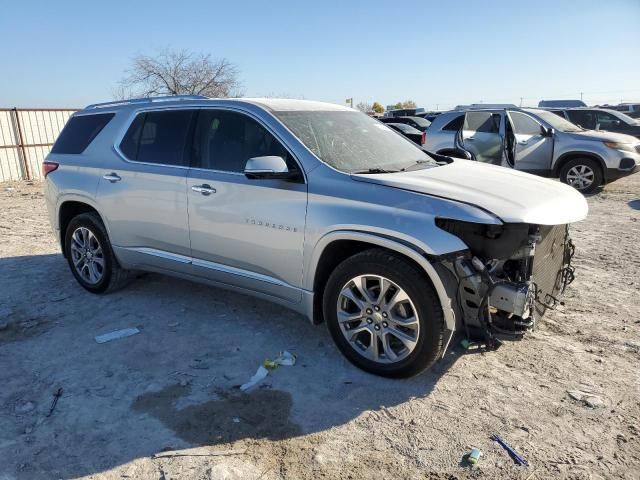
[546, 132]
[268, 167]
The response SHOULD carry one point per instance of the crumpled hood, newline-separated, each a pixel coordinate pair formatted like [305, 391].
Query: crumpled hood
[514, 197]
[602, 136]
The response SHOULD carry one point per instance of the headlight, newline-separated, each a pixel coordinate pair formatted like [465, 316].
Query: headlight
[627, 147]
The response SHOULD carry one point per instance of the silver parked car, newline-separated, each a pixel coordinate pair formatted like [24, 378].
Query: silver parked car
[319, 208]
[536, 141]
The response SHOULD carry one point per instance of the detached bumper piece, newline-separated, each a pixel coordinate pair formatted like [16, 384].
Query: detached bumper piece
[502, 298]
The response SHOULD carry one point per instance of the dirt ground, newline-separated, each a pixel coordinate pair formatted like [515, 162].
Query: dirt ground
[165, 404]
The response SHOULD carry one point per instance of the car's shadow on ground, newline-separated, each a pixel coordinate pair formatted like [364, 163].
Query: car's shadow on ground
[173, 385]
[635, 204]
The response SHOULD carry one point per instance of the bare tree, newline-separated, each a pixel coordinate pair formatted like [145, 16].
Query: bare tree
[180, 72]
[364, 107]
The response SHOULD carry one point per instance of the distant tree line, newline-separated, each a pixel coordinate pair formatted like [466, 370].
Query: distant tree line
[378, 108]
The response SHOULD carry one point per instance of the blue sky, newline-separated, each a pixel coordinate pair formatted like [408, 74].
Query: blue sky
[69, 54]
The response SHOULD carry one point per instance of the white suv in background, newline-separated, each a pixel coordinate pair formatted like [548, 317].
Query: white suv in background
[536, 141]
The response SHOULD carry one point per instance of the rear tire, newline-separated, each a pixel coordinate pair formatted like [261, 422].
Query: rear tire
[406, 322]
[583, 174]
[90, 256]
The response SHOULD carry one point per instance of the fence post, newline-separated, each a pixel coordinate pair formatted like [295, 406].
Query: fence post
[21, 148]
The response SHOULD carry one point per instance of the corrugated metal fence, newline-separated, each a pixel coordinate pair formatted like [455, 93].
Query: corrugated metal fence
[26, 136]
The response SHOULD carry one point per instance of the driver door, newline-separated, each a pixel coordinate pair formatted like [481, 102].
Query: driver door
[244, 232]
[533, 148]
[480, 136]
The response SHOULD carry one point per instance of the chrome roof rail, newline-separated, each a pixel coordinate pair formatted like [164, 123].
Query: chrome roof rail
[167, 98]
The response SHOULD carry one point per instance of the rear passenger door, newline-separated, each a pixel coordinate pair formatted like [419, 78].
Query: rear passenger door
[244, 232]
[481, 136]
[143, 195]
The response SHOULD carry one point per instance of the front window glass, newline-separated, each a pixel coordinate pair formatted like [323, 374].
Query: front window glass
[624, 118]
[352, 141]
[225, 140]
[524, 124]
[556, 122]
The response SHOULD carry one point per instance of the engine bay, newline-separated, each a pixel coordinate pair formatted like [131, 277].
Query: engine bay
[508, 278]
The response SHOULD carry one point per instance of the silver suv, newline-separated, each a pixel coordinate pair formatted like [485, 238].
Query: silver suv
[536, 141]
[316, 207]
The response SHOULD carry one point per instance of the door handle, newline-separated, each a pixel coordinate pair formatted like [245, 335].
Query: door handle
[112, 177]
[204, 189]
[522, 142]
[469, 138]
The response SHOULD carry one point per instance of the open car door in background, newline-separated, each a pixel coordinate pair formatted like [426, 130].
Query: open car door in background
[480, 136]
[529, 144]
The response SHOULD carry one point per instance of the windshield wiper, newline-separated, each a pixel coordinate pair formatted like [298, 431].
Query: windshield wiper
[375, 170]
[417, 163]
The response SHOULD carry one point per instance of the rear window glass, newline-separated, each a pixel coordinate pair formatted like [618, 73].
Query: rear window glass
[455, 124]
[79, 132]
[482, 122]
[158, 137]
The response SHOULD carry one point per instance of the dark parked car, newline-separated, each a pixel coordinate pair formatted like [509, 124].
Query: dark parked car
[428, 115]
[601, 119]
[408, 131]
[630, 109]
[415, 122]
[561, 104]
[403, 112]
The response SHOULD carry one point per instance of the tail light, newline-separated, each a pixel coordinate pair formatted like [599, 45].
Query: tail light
[48, 167]
[424, 138]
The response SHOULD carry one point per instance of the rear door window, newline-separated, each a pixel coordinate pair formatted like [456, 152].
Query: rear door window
[79, 132]
[482, 122]
[159, 137]
[584, 118]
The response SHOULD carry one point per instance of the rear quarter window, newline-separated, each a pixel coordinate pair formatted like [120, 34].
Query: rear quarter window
[79, 132]
[455, 124]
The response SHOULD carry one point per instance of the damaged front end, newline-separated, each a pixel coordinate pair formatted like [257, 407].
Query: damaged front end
[507, 279]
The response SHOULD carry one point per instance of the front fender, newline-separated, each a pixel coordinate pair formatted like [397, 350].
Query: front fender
[406, 249]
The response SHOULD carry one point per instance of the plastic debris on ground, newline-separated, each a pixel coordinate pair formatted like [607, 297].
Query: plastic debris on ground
[260, 374]
[285, 359]
[474, 456]
[512, 453]
[107, 337]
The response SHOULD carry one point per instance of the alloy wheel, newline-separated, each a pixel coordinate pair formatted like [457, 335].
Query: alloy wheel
[580, 177]
[87, 255]
[378, 318]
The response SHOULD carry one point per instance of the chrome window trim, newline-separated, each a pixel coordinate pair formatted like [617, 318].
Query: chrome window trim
[134, 113]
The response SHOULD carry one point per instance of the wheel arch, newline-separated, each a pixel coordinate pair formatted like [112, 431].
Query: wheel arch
[69, 208]
[568, 156]
[337, 246]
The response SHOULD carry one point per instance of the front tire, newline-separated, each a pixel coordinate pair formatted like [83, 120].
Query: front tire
[383, 314]
[583, 174]
[90, 257]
